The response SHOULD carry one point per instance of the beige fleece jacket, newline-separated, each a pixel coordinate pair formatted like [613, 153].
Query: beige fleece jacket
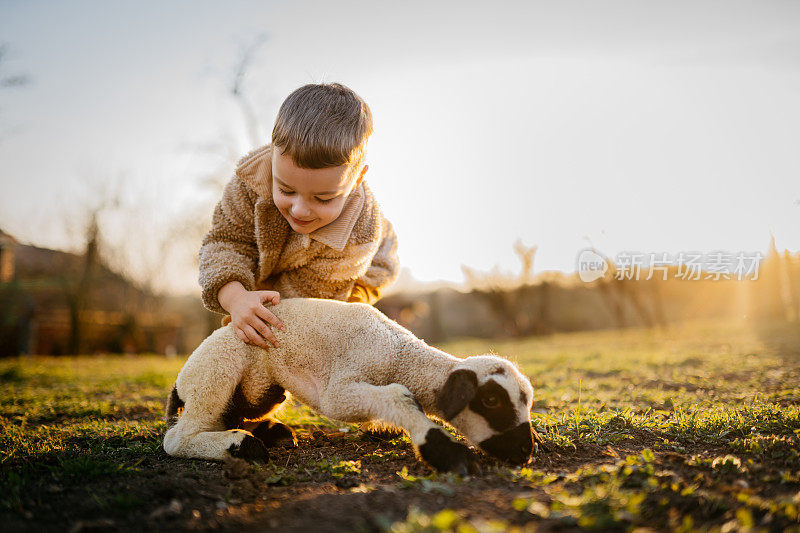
[352, 258]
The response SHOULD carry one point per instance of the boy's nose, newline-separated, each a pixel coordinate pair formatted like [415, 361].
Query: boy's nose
[300, 210]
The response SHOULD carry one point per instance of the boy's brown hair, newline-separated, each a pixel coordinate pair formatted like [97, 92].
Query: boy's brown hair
[323, 125]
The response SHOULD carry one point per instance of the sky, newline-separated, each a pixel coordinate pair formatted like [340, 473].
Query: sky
[627, 125]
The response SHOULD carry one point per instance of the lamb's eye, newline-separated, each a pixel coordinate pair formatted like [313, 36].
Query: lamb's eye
[490, 402]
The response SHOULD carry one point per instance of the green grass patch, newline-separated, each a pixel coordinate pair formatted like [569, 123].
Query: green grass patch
[695, 427]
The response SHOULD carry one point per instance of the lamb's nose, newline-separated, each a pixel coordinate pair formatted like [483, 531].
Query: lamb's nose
[514, 445]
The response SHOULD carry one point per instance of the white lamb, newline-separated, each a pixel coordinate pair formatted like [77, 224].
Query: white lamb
[348, 362]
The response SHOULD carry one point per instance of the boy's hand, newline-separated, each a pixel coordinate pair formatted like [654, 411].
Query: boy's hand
[249, 316]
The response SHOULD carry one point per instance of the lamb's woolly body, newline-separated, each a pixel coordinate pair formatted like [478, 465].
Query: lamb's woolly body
[346, 361]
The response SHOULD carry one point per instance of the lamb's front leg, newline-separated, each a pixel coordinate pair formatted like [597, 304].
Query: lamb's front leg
[395, 404]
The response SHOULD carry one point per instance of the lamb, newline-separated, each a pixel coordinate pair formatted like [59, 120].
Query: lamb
[348, 362]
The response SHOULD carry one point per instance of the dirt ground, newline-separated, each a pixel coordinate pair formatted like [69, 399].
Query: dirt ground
[295, 491]
[667, 431]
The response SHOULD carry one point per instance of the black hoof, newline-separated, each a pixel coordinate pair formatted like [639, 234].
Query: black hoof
[250, 449]
[446, 455]
[273, 433]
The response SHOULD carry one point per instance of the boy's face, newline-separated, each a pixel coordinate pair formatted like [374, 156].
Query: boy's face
[310, 198]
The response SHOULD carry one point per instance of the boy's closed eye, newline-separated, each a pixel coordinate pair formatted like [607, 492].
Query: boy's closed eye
[317, 198]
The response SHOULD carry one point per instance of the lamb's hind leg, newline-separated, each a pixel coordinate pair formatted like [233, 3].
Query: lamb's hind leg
[274, 433]
[255, 416]
[192, 437]
[200, 430]
[396, 405]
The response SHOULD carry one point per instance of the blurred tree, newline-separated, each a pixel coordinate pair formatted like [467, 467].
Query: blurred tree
[526, 255]
[9, 81]
[642, 298]
[775, 295]
[78, 285]
[194, 221]
[511, 297]
[78, 288]
[253, 125]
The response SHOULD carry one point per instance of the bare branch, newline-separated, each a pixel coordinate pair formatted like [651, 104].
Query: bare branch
[252, 123]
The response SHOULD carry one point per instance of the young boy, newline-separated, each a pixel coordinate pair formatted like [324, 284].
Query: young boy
[297, 220]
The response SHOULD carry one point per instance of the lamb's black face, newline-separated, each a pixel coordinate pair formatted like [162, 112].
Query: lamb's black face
[513, 444]
[493, 412]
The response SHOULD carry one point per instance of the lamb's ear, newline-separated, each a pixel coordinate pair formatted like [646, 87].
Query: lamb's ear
[458, 391]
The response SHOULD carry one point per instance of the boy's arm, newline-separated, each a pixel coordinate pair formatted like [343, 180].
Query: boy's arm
[382, 271]
[229, 251]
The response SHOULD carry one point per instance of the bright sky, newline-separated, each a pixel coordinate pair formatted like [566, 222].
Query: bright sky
[641, 126]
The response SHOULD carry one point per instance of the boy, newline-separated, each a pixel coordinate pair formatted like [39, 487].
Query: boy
[296, 219]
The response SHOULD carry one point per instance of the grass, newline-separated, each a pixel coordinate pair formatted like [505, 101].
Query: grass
[696, 427]
[710, 384]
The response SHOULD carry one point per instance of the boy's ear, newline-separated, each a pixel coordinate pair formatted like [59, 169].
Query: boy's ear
[361, 175]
